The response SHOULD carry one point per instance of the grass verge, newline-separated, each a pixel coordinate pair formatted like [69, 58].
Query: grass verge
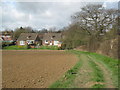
[110, 63]
[15, 47]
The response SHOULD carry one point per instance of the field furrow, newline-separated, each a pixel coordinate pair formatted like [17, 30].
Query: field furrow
[34, 69]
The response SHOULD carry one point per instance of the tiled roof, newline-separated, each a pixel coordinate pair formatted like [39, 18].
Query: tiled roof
[52, 36]
[27, 36]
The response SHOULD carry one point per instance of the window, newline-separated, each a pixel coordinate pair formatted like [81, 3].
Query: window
[46, 41]
[56, 42]
[30, 41]
[22, 42]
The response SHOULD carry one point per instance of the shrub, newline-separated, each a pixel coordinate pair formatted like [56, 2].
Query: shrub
[62, 47]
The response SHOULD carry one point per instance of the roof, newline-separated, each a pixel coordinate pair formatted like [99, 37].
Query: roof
[52, 36]
[41, 35]
[6, 37]
[27, 36]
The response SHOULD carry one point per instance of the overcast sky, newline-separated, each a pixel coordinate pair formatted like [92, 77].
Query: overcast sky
[42, 14]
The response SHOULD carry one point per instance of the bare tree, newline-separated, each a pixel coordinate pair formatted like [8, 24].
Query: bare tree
[95, 19]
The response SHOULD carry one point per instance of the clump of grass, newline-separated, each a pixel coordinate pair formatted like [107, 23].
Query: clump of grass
[68, 78]
[98, 86]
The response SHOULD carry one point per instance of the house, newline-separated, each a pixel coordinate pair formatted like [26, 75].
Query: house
[6, 38]
[31, 39]
[52, 39]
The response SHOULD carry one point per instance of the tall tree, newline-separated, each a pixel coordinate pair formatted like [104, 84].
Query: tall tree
[95, 19]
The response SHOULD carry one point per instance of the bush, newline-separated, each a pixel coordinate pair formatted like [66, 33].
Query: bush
[62, 47]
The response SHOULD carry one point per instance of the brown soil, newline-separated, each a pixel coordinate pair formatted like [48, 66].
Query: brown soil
[34, 69]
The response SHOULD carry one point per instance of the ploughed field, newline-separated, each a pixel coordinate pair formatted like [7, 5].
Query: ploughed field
[34, 69]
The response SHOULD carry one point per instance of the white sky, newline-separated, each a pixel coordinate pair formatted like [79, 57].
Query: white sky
[42, 13]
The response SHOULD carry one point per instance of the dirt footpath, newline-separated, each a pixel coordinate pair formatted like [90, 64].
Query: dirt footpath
[86, 74]
[34, 69]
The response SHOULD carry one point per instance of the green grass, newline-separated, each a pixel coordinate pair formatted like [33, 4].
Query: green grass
[67, 80]
[98, 86]
[110, 63]
[15, 47]
[97, 75]
[49, 47]
[97, 72]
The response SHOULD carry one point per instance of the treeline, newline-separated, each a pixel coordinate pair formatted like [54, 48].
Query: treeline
[91, 28]
[16, 33]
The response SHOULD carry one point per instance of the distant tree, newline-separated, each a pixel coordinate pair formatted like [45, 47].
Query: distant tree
[74, 36]
[20, 30]
[52, 29]
[7, 32]
[43, 31]
[59, 31]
